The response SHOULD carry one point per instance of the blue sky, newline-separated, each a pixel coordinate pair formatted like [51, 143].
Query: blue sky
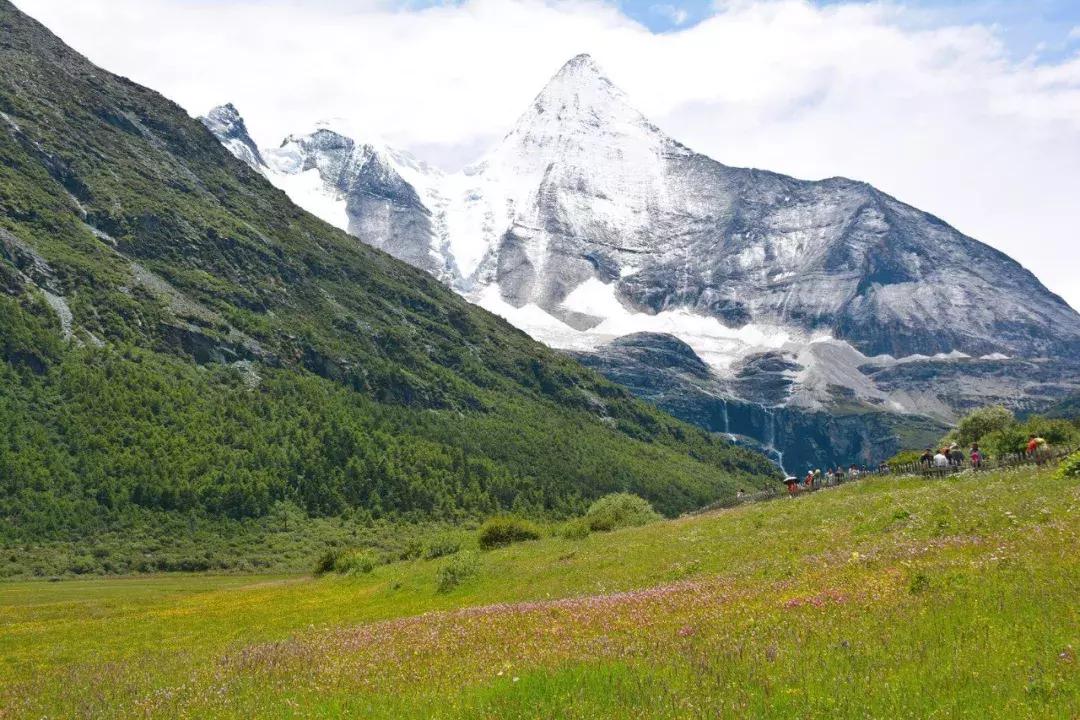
[1039, 27]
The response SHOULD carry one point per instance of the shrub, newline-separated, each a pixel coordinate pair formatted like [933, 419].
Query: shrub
[412, 550]
[350, 562]
[440, 547]
[326, 562]
[1070, 467]
[1054, 431]
[500, 531]
[619, 510]
[577, 529]
[980, 423]
[455, 571]
[346, 562]
[1007, 441]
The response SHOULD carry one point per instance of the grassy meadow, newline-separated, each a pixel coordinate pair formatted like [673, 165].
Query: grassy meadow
[890, 598]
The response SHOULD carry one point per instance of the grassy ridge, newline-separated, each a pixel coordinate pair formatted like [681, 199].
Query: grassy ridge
[891, 598]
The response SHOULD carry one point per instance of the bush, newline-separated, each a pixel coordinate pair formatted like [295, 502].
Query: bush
[577, 529]
[1070, 467]
[618, 511]
[356, 561]
[455, 571]
[412, 550]
[1054, 431]
[501, 531]
[346, 562]
[1007, 441]
[980, 423]
[326, 562]
[440, 547]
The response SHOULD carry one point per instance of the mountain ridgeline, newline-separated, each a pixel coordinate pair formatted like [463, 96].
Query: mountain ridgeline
[805, 300]
[177, 339]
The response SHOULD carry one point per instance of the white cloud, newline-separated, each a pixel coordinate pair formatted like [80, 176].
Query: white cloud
[675, 15]
[939, 116]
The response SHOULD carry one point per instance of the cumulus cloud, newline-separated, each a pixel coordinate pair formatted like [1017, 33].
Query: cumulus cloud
[939, 115]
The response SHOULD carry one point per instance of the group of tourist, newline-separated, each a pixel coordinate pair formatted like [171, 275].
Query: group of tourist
[942, 460]
[952, 456]
[832, 476]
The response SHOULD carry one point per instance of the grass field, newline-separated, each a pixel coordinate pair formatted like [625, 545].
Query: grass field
[890, 598]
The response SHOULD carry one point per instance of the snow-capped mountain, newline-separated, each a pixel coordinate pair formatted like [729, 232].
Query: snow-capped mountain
[227, 125]
[586, 223]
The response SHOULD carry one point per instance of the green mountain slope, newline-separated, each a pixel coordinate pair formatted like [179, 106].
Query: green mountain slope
[177, 337]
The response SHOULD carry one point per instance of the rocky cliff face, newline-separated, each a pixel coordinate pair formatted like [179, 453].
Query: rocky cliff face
[665, 371]
[586, 223]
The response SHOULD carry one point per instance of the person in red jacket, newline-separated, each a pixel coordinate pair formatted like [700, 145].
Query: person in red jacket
[976, 456]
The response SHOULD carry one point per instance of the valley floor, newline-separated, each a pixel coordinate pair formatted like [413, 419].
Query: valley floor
[889, 598]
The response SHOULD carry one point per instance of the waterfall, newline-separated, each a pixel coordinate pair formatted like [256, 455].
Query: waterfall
[770, 437]
[727, 420]
[778, 451]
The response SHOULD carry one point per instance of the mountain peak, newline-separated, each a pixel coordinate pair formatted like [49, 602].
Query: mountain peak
[579, 84]
[224, 116]
[578, 101]
[228, 126]
[581, 63]
[226, 111]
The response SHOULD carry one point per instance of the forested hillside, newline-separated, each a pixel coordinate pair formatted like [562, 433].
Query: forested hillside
[177, 337]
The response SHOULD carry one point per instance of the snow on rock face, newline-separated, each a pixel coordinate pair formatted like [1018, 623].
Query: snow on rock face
[228, 127]
[362, 191]
[586, 223]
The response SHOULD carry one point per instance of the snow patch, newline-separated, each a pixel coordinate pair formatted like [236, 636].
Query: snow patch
[716, 344]
[593, 297]
[308, 190]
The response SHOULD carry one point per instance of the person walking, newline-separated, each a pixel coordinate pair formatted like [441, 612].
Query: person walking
[976, 456]
[1036, 449]
[956, 455]
[927, 459]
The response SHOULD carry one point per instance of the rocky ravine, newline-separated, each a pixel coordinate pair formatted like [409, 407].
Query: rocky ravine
[586, 224]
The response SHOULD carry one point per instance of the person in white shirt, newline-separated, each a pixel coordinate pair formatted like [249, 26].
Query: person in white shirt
[941, 460]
